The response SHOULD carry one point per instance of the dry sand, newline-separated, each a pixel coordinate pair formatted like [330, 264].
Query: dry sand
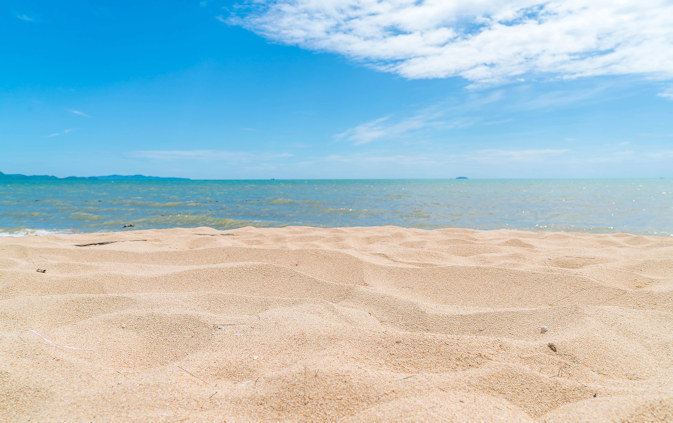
[359, 324]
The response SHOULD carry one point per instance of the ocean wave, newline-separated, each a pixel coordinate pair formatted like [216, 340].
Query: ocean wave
[185, 220]
[280, 201]
[86, 216]
[29, 232]
[591, 229]
[26, 214]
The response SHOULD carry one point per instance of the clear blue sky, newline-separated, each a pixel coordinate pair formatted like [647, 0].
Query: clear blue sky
[337, 89]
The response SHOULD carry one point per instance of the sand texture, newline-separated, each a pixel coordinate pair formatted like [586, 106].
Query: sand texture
[342, 324]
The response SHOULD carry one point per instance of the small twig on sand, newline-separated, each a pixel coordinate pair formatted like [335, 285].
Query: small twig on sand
[305, 396]
[48, 341]
[192, 374]
[209, 398]
[92, 244]
[95, 243]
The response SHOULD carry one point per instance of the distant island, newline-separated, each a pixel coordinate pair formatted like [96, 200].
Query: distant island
[462, 177]
[4, 176]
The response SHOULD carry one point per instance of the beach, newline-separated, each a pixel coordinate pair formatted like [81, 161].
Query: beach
[336, 324]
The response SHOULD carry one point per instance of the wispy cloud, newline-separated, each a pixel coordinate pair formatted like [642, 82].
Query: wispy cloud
[221, 18]
[366, 159]
[485, 41]
[205, 155]
[366, 132]
[660, 155]
[484, 160]
[668, 93]
[560, 98]
[434, 117]
[615, 157]
[514, 156]
[24, 17]
[79, 113]
[443, 159]
[459, 113]
[629, 157]
[439, 116]
[56, 134]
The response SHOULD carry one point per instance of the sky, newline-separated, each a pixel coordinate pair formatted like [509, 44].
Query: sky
[255, 89]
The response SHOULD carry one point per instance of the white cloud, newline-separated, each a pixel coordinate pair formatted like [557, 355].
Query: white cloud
[79, 113]
[484, 41]
[668, 94]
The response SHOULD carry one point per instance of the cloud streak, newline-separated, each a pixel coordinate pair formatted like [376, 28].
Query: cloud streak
[23, 17]
[435, 117]
[667, 94]
[441, 159]
[79, 113]
[485, 41]
[366, 132]
[515, 156]
[56, 134]
[205, 155]
[482, 161]
[449, 115]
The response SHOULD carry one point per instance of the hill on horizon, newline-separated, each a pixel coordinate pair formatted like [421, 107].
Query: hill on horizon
[18, 176]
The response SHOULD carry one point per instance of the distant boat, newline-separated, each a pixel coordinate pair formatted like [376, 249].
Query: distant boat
[462, 177]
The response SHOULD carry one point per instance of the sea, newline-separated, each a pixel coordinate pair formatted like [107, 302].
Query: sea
[38, 207]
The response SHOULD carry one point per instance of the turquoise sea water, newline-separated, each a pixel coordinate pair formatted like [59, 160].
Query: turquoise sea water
[599, 206]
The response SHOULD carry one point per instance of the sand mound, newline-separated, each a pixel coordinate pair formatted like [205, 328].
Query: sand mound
[343, 324]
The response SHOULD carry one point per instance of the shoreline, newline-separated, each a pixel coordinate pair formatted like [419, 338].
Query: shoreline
[322, 324]
[29, 232]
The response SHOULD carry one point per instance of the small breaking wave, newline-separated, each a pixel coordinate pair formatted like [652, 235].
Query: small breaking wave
[29, 232]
